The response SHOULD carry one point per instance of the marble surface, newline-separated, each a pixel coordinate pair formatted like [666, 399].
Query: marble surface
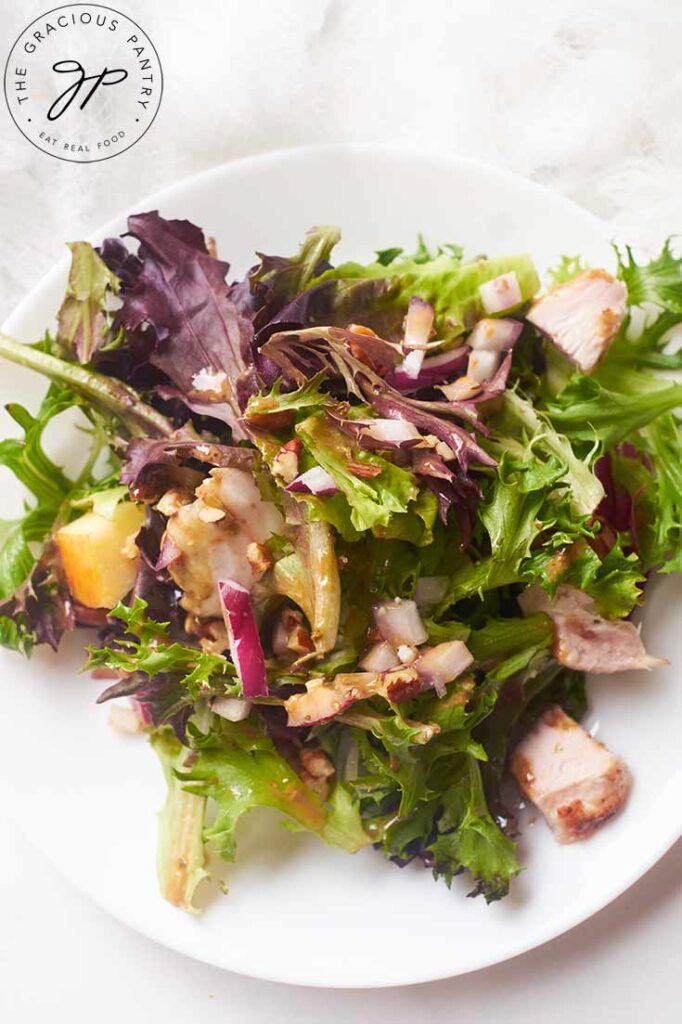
[584, 98]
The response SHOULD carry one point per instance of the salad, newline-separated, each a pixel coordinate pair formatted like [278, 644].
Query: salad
[347, 537]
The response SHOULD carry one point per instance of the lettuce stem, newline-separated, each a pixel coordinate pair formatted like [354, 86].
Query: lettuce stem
[105, 393]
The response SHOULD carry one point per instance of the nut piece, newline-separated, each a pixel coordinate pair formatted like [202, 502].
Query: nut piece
[285, 464]
[401, 684]
[316, 770]
[259, 558]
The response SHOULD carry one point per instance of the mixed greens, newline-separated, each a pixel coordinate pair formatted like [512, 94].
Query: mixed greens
[311, 500]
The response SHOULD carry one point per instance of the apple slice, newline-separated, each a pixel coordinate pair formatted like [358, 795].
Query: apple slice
[98, 556]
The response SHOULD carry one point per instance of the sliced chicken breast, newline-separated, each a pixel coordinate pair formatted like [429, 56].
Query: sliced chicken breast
[583, 640]
[572, 778]
[583, 316]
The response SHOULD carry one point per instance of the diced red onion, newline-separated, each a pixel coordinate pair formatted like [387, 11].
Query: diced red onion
[434, 370]
[430, 590]
[380, 658]
[242, 632]
[231, 708]
[483, 364]
[315, 481]
[495, 335]
[399, 622]
[418, 324]
[501, 293]
[441, 664]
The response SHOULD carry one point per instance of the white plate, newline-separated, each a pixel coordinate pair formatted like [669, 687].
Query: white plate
[297, 911]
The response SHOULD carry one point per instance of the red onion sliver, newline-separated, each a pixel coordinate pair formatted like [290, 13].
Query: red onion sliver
[418, 324]
[495, 335]
[461, 390]
[399, 622]
[483, 364]
[435, 370]
[242, 632]
[501, 293]
[315, 481]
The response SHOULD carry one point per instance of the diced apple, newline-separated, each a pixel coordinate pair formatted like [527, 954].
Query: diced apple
[98, 555]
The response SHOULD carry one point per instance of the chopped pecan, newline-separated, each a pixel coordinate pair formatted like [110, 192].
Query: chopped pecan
[364, 470]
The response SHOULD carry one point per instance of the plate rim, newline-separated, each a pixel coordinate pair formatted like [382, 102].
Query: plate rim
[559, 925]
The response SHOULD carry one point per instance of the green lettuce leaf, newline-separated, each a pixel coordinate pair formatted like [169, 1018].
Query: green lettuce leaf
[116, 401]
[309, 576]
[373, 502]
[278, 279]
[510, 517]
[426, 800]
[614, 581]
[659, 281]
[445, 281]
[543, 450]
[662, 440]
[84, 320]
[566, 269]
[523, 697]
[237, 766]
[180, 859]
[611, 406]
[22, 539]
[146, 647]
[648, 346]
[307, 397]
[16, 634]
[468, 837]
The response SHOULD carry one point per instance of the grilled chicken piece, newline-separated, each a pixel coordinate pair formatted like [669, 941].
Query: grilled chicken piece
[572, 778]
[214, 534]
[583, 316]
[582, 639]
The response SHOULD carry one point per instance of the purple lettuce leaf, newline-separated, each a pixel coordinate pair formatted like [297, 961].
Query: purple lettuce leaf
[453, 488]
[42, 610]
[278, 279]
[120, 261]
[337, 304]
[201, 341]
[162, 698]
[463, 444]
[145, 456]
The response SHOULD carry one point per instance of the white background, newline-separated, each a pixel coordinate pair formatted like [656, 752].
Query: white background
[582, 97]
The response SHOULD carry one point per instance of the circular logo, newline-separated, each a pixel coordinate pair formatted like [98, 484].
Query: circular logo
[83, 83]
